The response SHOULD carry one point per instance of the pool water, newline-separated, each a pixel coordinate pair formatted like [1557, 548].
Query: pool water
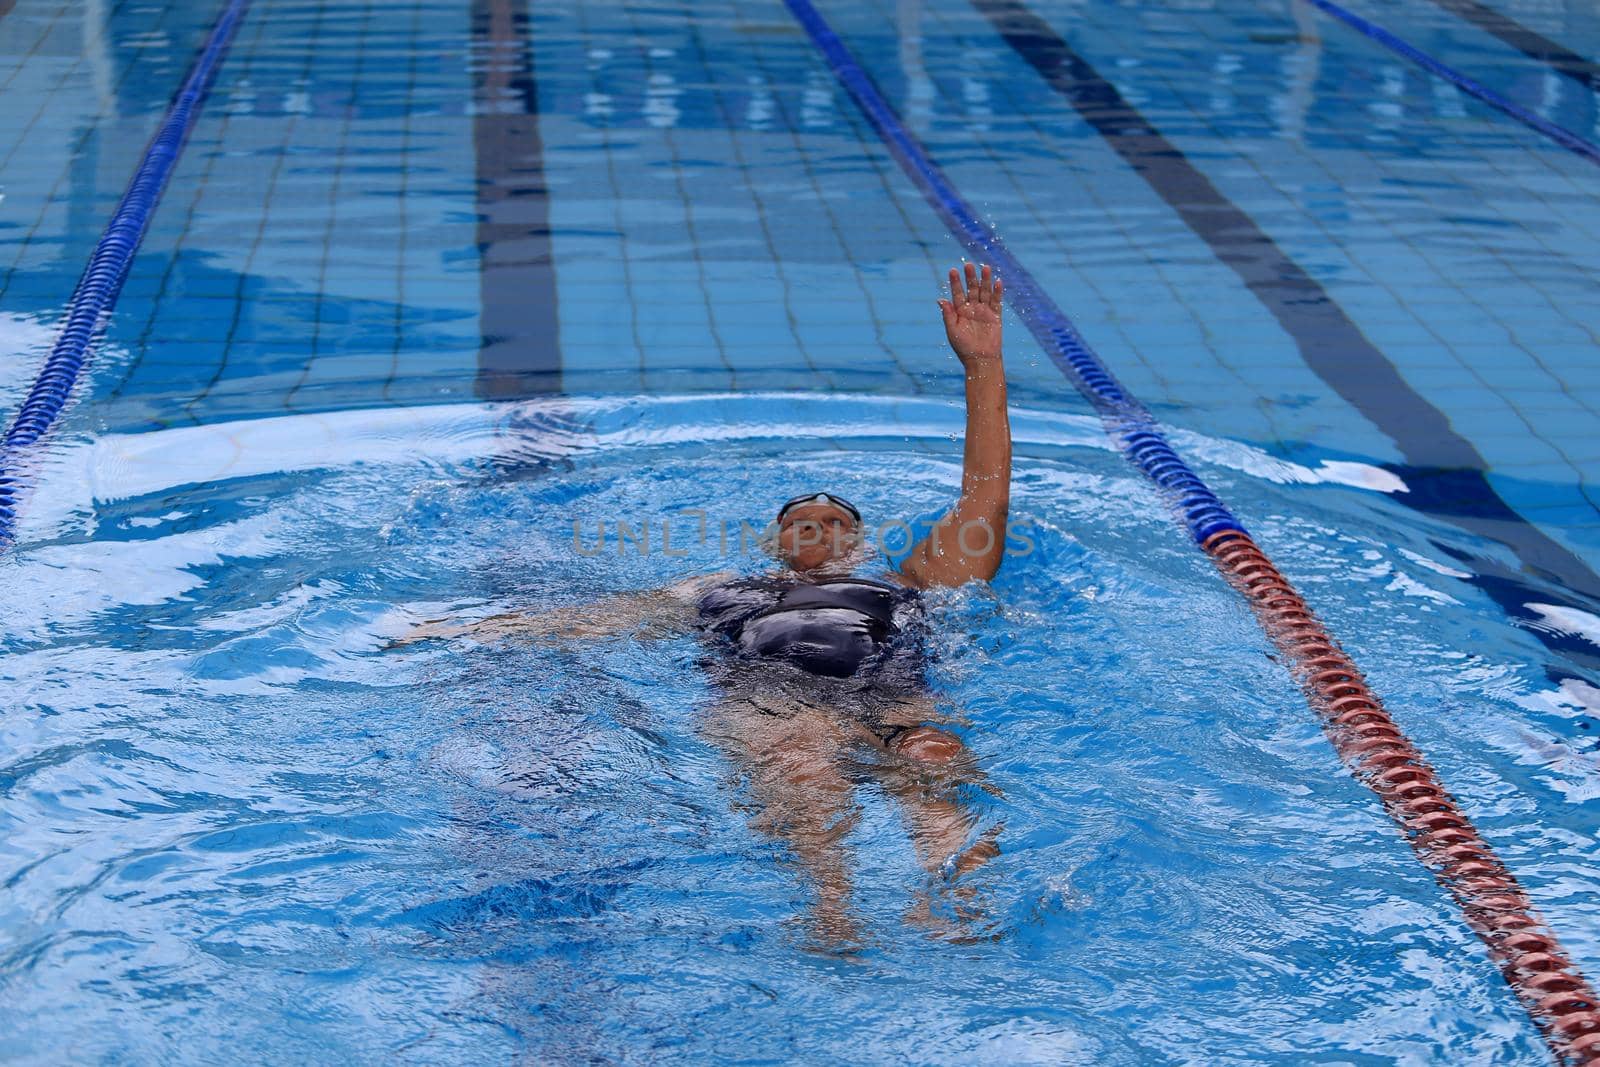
[238, 821]
[255, 826]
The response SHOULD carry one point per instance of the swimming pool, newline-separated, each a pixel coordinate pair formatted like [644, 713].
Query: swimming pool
[436, 292]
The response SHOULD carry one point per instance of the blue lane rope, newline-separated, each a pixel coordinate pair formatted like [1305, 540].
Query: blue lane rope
[1131, 426]
[101, 282]
[1563, 137]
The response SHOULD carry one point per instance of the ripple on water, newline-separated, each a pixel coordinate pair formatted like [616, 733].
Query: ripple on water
[226, 801]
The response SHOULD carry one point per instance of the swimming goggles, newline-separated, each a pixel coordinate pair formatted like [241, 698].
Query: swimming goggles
[820, 498]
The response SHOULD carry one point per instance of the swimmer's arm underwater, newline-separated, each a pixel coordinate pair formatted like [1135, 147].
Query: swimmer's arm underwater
[969, 542]
[663, 612]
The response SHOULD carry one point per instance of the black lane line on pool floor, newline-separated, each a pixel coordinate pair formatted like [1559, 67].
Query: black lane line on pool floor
[1444, 472]
[1528, 41]
[519, 354]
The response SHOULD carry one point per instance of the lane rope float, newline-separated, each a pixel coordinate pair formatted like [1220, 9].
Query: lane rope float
[1536, 46]
[101, 282]
[1400, 47]
[1552, 990]
[1440, 466]
[1377, 752]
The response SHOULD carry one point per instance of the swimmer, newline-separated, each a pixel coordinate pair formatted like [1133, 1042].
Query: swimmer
[815, 664]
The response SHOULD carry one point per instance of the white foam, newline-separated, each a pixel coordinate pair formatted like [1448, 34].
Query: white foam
[1570, 622]
[75, 474]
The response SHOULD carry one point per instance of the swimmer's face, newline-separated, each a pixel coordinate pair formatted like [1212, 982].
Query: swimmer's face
[813, 534]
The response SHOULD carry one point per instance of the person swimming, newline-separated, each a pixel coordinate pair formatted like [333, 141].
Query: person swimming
[814, 661]
[855, 643]
[836, 627]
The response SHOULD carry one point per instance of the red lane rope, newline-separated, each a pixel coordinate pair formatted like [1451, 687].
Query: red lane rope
[1550, 986]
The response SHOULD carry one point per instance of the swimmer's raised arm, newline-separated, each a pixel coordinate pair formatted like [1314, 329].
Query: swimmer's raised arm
[662, 612]
[969, 542]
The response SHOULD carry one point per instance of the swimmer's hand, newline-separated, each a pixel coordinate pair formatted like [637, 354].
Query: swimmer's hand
[972, 316]
[655, 613]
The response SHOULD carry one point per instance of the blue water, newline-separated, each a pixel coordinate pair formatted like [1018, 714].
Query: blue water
[236, 824]
[235, 821]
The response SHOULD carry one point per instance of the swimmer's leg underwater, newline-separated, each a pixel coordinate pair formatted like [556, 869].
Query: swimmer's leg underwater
[800, 762]
[924, 769]
[793, 761]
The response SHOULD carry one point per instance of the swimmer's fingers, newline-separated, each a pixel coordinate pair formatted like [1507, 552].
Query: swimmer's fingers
[981, 851]
[980, 285]
[989, 288]
[864, 734]
[407, 640]
[427, 631]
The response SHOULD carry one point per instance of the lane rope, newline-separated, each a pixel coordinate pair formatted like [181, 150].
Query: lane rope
[1552, 990]
[1559, 134]
[1441, 467]
[1529, 955]
[1536, 46]
[101, 282]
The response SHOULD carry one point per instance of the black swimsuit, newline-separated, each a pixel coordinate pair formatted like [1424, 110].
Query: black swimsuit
[839, 628]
